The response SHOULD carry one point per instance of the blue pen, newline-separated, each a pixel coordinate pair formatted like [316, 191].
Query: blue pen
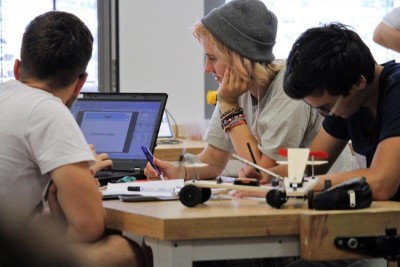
[149, 157]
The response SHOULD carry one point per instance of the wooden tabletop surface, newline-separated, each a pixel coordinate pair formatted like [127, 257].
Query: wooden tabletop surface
[171, 152]
[170, 220]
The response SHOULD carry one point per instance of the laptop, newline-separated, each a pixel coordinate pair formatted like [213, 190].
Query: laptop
[166, 135]
[119, 124]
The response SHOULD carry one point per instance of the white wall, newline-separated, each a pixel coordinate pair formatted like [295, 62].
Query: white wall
[159, 54]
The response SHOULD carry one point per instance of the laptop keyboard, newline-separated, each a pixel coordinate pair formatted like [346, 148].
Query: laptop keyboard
[108, 176]
[114, 174]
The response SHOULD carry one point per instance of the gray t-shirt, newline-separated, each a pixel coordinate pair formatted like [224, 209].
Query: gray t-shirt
[276, 122]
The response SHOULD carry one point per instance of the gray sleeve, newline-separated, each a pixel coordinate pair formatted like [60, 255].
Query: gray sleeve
[392, 19]
[216, 136]
[286, 123]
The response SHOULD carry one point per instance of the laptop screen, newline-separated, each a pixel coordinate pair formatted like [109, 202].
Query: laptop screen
[166, 130]
[119, 124]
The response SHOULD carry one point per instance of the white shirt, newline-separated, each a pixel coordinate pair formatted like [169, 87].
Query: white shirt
[37, 135]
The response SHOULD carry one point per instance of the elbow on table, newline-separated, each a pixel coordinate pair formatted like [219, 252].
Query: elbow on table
[382, 192]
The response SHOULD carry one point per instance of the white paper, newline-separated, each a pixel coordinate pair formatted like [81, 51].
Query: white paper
[149, 188]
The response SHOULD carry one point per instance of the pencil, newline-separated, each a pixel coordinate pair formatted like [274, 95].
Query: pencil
[252, 156]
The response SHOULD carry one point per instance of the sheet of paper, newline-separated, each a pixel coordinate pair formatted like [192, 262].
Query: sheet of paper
[147, 188]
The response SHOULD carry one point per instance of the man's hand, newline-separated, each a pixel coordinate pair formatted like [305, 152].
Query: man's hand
[102, 161]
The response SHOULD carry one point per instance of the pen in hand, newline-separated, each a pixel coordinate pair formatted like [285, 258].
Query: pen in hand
[149, 157]
[252, 156]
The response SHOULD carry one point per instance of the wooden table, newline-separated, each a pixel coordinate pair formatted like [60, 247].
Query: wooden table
[244, 228]
[171, 152]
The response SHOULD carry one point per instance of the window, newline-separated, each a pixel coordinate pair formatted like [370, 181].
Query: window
[294, 17]
[16, 14]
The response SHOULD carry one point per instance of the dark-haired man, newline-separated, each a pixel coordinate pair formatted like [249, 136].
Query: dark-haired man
[41, 141]
[333, 70]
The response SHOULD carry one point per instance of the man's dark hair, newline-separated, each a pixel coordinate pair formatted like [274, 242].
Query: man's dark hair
[56, 48]
[330, 57]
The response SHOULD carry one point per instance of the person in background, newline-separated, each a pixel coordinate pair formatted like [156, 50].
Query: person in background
[387, 33]
[42, 146]
[252, 110]
[359, 99]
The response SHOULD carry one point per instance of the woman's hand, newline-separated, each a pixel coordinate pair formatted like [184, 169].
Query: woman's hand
[243, 193]
[168, 170]
[249, 172]
[102, 161]
[231, 88]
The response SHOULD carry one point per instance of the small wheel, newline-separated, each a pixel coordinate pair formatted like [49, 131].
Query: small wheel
[190, 195]
[310, 199]
[275, 182]
[206, 194]
[276, 198]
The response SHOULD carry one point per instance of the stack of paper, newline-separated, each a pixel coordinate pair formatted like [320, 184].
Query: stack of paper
[145, 188]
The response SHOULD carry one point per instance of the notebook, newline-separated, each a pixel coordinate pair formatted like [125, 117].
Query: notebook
[166, 134]
[119, 124]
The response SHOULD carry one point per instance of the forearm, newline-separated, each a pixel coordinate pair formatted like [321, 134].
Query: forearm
[85, 233]
[243, 140]
[85, 223]
[81, 224]
[207, 172]
[240, 136]
[387, 37]
[75, 195]
[381, 189]
[216, 161]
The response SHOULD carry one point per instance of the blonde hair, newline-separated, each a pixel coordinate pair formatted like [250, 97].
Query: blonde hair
[260, 74]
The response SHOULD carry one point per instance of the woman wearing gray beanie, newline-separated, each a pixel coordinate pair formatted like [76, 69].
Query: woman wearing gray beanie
[253, 109]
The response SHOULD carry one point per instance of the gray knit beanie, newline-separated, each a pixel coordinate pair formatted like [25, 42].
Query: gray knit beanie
[245, 26]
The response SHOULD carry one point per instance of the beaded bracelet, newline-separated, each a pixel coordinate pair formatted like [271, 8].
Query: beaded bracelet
[231, 115]
[224, 123]
[231, 111]
[232, 125]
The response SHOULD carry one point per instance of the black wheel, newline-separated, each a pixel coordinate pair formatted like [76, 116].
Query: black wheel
[275, 182]
[206, 194]
[310, 199]
[190, 195]
[276, 198]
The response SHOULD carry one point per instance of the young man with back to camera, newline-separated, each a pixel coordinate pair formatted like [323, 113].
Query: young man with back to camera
[41, 141]
[333, 70]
